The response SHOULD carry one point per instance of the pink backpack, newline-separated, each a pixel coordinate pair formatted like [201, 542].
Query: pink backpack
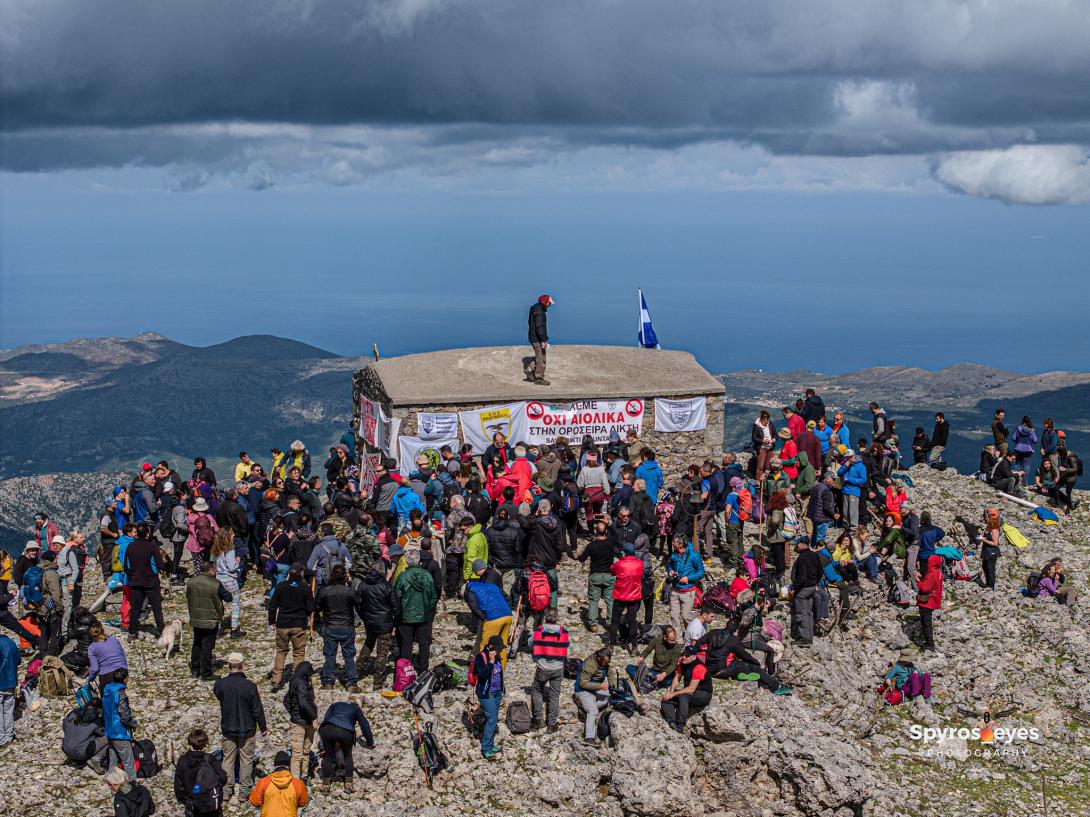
[404, 674]
[773, 630]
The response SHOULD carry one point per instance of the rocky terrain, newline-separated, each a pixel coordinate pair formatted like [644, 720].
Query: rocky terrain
[829, 750]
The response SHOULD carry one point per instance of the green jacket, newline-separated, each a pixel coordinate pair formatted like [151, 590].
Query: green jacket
[807, 476]
[416, 596]
[203, 597]
[476, 548]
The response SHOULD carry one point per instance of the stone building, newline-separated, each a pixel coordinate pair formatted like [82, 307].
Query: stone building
[456, 380]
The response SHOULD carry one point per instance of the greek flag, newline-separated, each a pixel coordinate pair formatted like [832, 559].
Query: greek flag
[647, 337]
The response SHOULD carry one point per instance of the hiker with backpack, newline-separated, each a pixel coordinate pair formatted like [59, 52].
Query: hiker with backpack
[506, 547]
[119, 723]
[487, 678]
[303, 714]
[1067, 476]
[535, 590]
[489, 607]
[337, 603]
[50, 606]
[202, 528]
[592, 685]
[71, 559]
[199, 778]
[713, 495]
[328, 554]
[105, 655]
[338, 734]
[550, 650]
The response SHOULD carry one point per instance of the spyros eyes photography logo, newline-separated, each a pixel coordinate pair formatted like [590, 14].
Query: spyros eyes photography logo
[982, 740]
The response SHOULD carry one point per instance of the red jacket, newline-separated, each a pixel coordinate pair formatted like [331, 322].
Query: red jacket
[629, 573]
[790, 451]
[932, 583]
[524, 474]
[796, 425]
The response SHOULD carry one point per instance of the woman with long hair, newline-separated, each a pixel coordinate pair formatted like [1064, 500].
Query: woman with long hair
[989, 551]
[228, 570]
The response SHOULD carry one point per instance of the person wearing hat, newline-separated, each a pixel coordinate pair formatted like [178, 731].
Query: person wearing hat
[291, 606]
[538, 336]
[130, 798]
[241, 716]
[489, 606]
[488, 669]
[31, 554]
[853, 476]
[280, 793]
[45, 531]
[789, 453]
[202, 527]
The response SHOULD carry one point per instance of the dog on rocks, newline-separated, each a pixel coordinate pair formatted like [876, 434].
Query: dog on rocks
[171, 639]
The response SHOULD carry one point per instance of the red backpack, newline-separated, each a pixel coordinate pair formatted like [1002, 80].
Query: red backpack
[202, 531]
[538, 592]
[745, 505]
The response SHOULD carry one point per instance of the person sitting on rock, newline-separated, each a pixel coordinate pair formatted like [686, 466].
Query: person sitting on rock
[726, 657]
[1052, 584]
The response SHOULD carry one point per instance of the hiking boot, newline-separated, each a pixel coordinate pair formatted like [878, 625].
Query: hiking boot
[349, 785]
[593, 628]
[782, 690]
[327, 686]
[354, 689]
[276, 686]
[748, 676]
[237, 633]
[541, 381]
[492, 754]
[535, 725]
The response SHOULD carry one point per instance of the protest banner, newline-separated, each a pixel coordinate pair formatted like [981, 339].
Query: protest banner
[377, 430]
[478, 425]
[681, 415]
[409, 448]
[597, 418]
[430, 426]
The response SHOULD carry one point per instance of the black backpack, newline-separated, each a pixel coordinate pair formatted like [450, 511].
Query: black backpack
[477, 505]
[1033, 583]
[146, 758]
[207, 792]
[167, 528]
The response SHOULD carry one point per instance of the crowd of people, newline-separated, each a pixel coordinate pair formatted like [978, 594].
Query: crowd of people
[803, 523]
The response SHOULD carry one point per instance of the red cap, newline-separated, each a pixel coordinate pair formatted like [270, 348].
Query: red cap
[545, 300]
[146, 466]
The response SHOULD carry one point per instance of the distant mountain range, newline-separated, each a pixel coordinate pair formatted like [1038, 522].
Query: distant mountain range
[968, 394]
[93, 405]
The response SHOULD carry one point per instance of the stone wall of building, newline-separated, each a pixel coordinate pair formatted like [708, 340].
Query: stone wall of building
[674, 451]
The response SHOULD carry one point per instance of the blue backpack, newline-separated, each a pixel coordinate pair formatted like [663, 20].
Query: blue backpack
[32, 585]
[569, 500]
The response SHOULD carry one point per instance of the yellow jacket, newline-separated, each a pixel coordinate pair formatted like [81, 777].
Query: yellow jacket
[242, 471]
[279, 794]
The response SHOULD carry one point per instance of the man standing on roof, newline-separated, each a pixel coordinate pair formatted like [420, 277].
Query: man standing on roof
[539, 338]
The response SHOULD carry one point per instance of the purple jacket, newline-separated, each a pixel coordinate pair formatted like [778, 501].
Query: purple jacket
[1047, 586]
[106, 656]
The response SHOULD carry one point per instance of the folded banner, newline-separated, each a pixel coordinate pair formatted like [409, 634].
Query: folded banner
[681, 415]
[596, 418]
[377, 430]
[409, 448]
[478, 425]
[436, 426]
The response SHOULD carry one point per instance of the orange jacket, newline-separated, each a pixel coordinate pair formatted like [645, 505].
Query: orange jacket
[279, 794]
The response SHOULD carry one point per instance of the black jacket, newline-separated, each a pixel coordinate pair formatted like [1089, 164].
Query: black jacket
[1000, 472]
[241, 712]
[538, 325]
[142, 563]
[600, 553]
[806, 571]
[299, 700]
[941, 434]
[621, 533]
[133, 800]
[813, 408]
[232, 515]
[430, 564]
[547, 539]
[377, 603]
[720, 644]
[757, 436]
[291, 604]
[505, 539]
[185, 774]
[337, 603]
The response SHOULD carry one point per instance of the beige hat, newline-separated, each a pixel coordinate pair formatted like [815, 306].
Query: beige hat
[200, 505]
[31, 545]
[59, 540]
[235, 658]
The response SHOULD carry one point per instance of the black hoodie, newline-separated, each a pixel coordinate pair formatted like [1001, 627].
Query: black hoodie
[299, 700]
[376, 603]
[185, 775]
[547, 539]
[505, 544]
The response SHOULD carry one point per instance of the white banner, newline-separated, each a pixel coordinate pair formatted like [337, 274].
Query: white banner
[409, 448]
[681, 415]
[547, 421]
[377, 430]
[478, 425]
[436, 426]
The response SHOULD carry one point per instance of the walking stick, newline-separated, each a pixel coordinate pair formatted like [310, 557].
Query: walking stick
[421, 753]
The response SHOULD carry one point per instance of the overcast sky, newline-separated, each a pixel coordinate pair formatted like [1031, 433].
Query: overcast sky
[408, 160]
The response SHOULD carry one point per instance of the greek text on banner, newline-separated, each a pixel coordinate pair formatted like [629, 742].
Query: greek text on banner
[596, 418]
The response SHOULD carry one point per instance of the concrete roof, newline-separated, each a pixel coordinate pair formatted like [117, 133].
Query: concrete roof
[495, 374]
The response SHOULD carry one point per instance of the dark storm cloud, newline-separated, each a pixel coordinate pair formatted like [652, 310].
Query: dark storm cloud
[828, 77]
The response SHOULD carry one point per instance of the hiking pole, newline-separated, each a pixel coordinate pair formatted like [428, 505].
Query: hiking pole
[421, 753]
[516, 632]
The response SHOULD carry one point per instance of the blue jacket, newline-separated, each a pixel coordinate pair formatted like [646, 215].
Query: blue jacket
[823, 436]
[929, 540]
[405, 500]
[116, 713]
[651, 473]
[1050, 441]
[688, 564]
[854, 477]
[486, 600]
[9, 663]
[828, 567]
